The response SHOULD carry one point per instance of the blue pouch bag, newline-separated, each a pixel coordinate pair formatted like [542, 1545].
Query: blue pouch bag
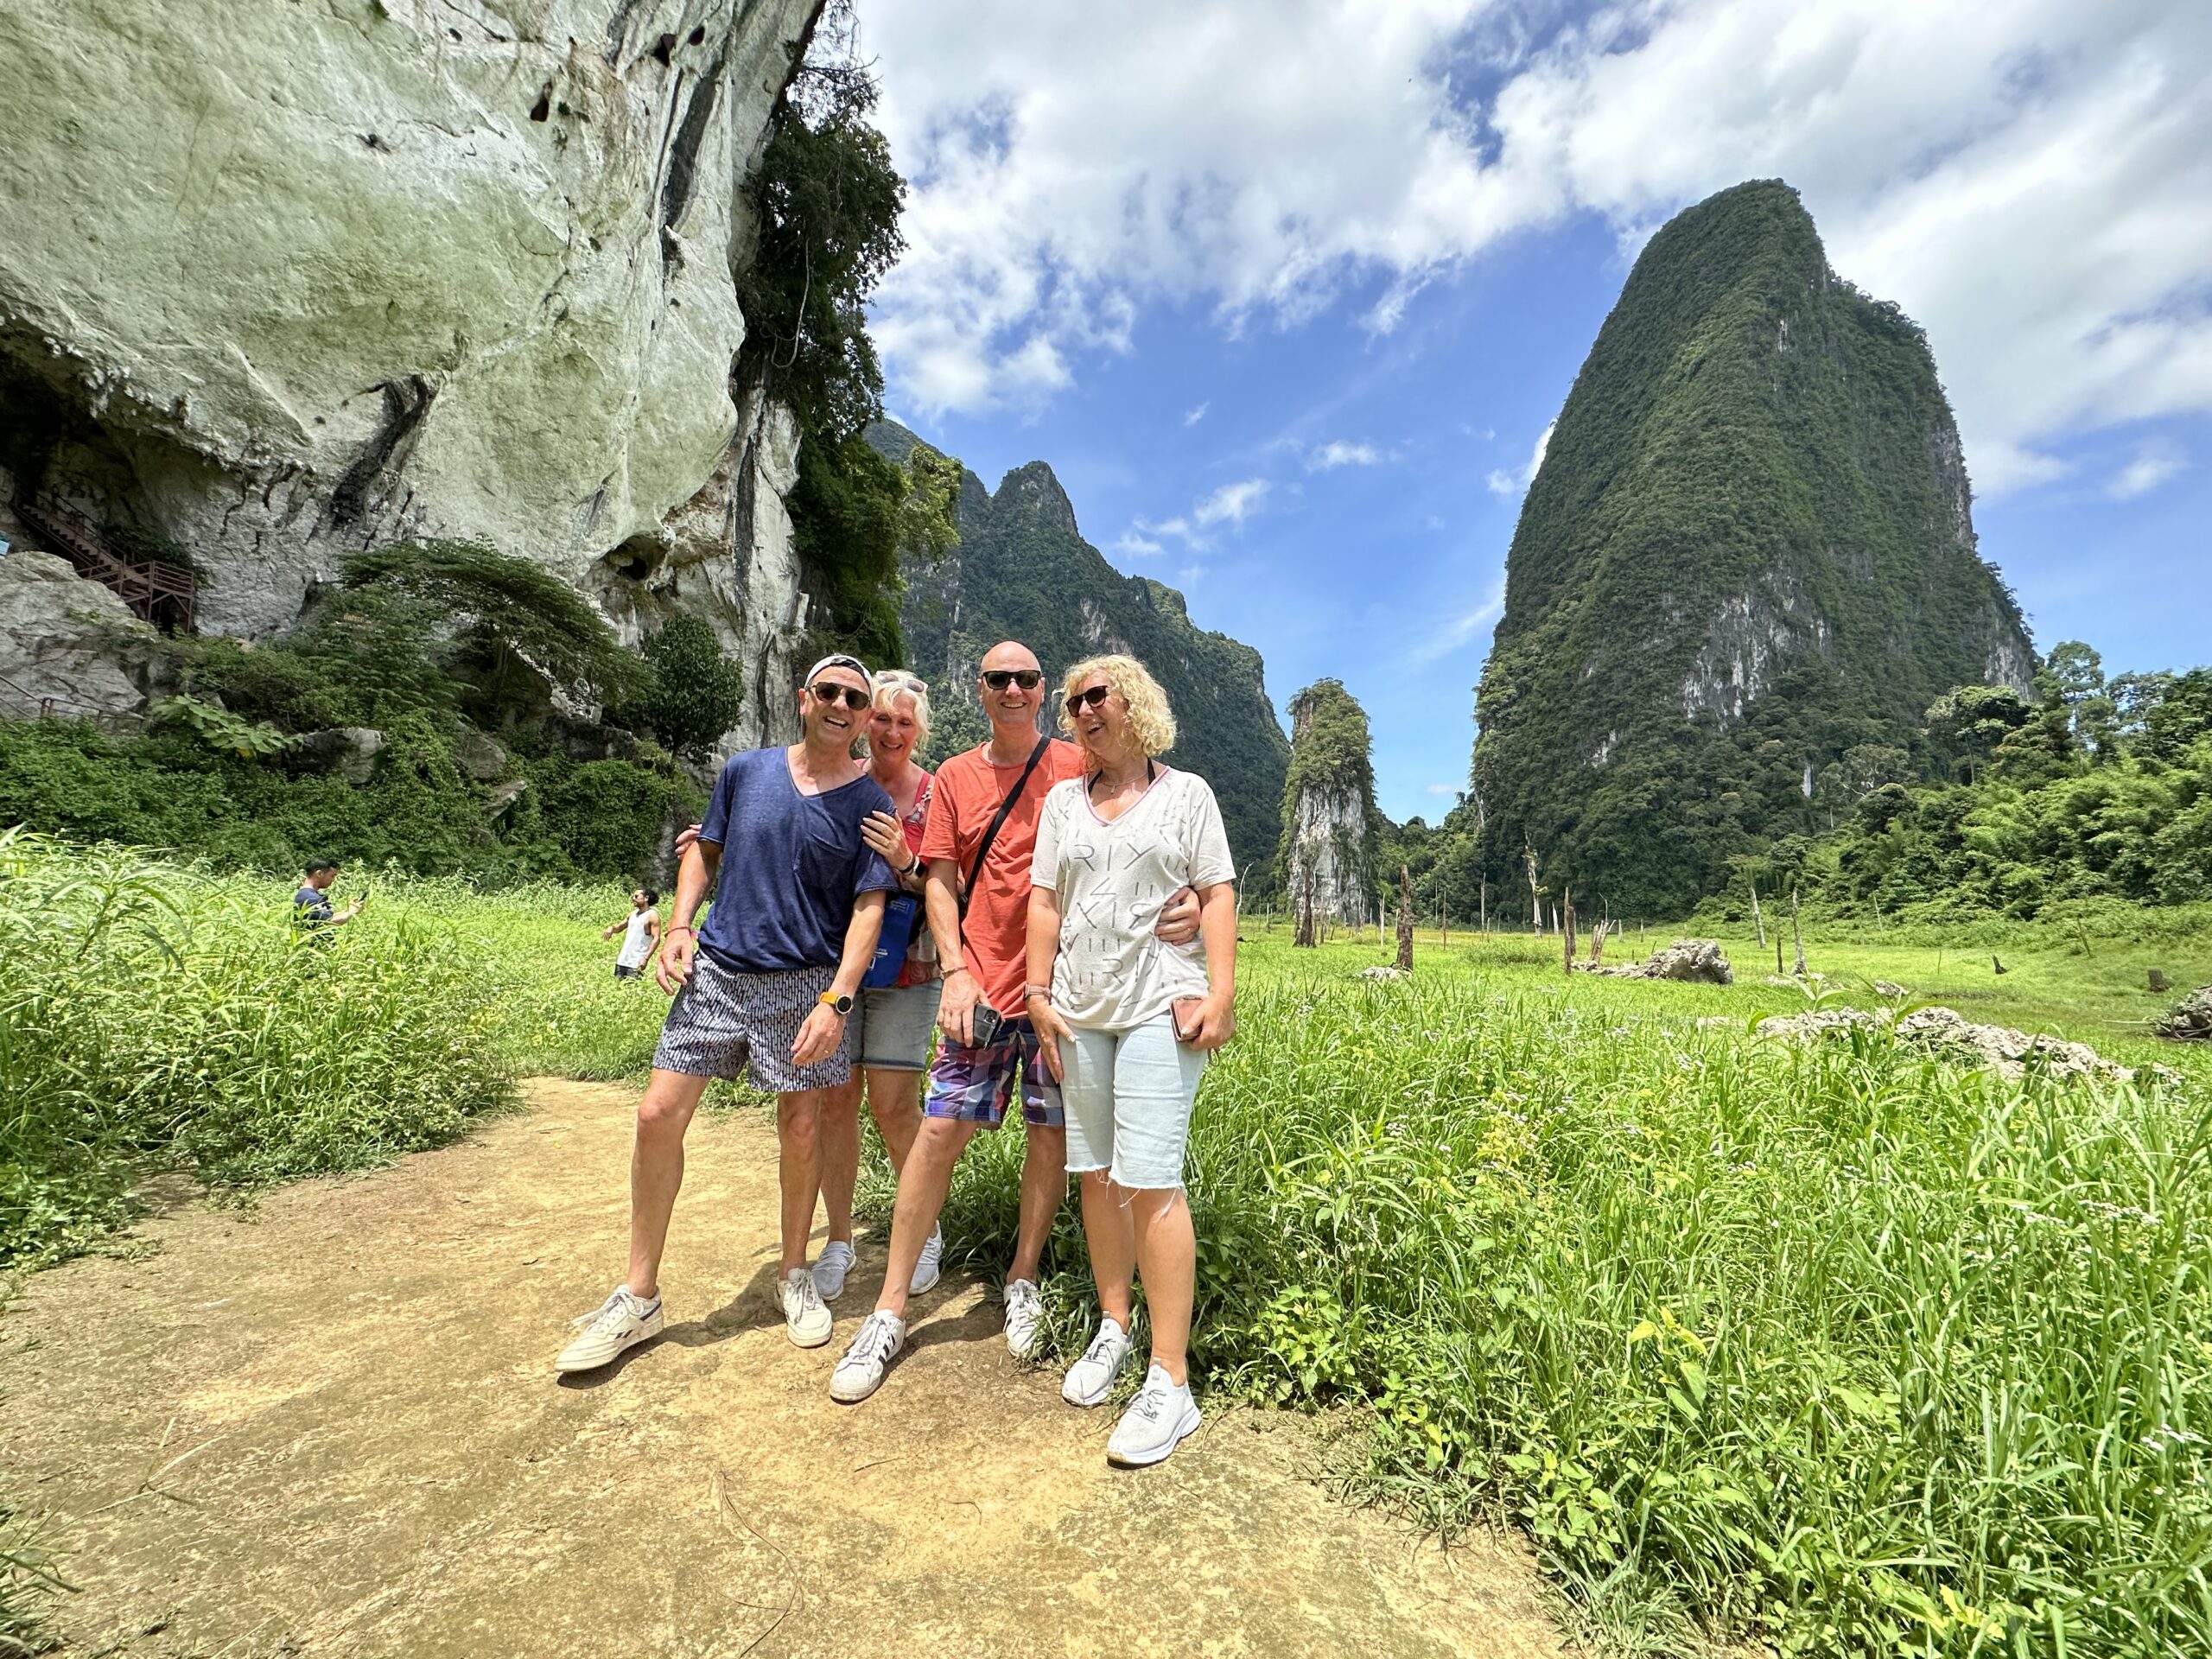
[899, 913]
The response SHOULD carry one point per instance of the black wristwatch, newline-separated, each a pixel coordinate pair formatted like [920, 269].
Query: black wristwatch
[837, 1001]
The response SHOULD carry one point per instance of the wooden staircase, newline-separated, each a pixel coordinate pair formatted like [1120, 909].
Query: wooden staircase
[164, 594]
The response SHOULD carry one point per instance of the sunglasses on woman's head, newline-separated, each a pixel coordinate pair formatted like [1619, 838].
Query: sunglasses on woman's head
[830, 692]
[903, 681]
[999, 679]
[1096, 697]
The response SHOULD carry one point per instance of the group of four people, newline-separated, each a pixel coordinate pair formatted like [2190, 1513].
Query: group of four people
[1073, 932]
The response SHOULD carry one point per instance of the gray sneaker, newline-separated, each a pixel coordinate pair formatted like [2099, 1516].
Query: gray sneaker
[860, 1373]
[831, 1268]
[1154, 1424]
[930, 1268]
[620, 1322]
[1090, 1379]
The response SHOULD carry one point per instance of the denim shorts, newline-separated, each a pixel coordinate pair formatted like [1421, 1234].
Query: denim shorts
[726, 1024]
[894, 1023]
[1128, 1096]
[975, 1083]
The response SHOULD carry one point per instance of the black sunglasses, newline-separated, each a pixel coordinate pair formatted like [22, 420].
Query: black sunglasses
[1096, 697]
[830, 692]
[999, 679]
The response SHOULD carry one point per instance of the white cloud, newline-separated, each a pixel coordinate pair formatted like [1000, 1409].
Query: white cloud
[1232, 503]
[1461, 629]
[1190, 573]
[1444, 791]
[1138, 545]
[2154, 463]
[1193, 417]
[1505, 483]
[1338, 453]
[2032, 181]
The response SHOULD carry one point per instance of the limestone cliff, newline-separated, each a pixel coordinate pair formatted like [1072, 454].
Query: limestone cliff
[1749, 553]
[282, 281]
[1330, 818]
[1022, 570]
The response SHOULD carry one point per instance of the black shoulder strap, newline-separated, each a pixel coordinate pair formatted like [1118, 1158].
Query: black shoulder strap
[1006, 806]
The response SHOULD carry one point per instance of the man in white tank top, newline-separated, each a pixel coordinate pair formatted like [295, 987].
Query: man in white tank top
[640, 932]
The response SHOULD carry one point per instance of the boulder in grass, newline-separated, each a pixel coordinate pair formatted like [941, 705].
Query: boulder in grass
[1946, 1034]
[2190, 1020]
[1695, 961]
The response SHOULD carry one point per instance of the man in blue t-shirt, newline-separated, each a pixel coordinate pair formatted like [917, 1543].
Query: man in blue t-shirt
[766, 987]
[311, 911]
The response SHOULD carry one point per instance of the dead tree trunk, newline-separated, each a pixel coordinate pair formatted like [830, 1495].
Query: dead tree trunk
[1597, 941]
[1535, 893]
[1405, 921]
[1302, 932]
[1567, 927]
[1795, 934]
[1757, 921]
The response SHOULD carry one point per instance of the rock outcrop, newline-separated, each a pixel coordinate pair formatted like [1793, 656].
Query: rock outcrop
[2190, 1020]
[1329, 813]
[67, 646]
[1750, 547]
[1950, 1035]
[283, 282]
[1694, 961]
[1022, 570]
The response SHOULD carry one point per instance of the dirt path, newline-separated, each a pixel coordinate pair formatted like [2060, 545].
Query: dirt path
[332, 1428]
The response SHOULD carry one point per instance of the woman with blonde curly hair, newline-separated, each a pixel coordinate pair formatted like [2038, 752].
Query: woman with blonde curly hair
[1126, 1023]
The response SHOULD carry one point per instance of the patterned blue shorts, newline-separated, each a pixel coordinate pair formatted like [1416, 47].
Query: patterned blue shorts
[728, 1025]
[974, 1085]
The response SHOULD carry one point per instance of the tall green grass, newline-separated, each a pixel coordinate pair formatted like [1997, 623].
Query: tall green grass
[1834, 1347]
[152, 1015]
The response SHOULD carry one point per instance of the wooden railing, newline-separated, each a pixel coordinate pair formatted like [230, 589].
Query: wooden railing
[164, 594]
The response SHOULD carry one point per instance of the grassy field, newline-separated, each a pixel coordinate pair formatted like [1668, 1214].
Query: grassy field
[1834, 1347]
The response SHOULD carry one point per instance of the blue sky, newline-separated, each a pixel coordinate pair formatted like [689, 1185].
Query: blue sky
[1289, 335]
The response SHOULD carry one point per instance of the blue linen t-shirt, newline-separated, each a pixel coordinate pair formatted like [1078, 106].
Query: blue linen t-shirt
[792, 866]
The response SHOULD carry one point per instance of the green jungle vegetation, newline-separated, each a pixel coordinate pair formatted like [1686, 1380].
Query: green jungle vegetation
[826, 199]
[1757, 455]
[1021, 570]
[2088, 804]
[1833, 1347]
[452, 653]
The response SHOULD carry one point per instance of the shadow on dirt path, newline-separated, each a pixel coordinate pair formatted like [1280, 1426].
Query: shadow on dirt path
[332, 1428]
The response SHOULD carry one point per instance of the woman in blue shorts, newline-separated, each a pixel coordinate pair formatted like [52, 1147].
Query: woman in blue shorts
[892, 1025]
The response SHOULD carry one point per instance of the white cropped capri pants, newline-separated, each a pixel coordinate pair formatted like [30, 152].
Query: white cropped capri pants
[1127, 1096]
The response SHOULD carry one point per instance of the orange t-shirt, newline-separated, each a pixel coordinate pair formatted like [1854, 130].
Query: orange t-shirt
[963, 801]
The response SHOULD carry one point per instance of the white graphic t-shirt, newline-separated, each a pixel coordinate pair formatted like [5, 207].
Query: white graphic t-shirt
[1111, 879]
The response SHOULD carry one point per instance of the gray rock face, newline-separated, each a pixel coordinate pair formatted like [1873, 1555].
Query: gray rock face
[66, 644]
[349, 751]
[327, 276]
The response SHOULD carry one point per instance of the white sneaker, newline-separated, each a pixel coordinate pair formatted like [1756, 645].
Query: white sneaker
[1090, 1379]
[805, 1320]
[1154, 1424]
[931, 1267]
[831, 1268]
[1024, 1317]
[860, 1373]
[621, 1321]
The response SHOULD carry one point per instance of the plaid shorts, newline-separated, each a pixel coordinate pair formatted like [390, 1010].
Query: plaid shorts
[974, 1085]
[725, 1024]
